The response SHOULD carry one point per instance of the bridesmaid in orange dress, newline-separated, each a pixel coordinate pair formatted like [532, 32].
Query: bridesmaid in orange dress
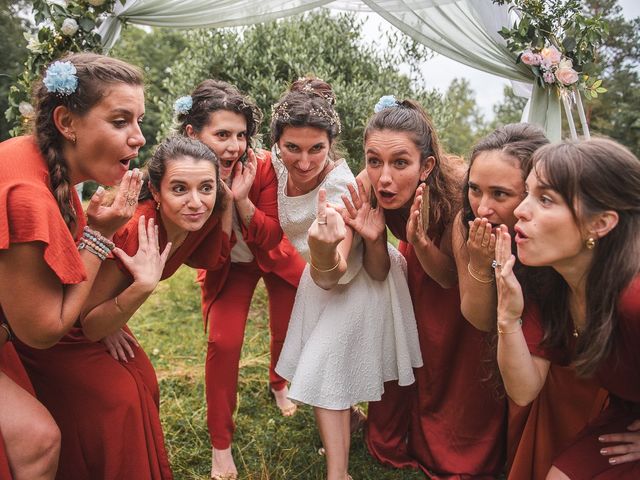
[86, 128]
[96, 393]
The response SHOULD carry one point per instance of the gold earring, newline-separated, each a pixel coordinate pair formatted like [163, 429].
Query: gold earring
[157, 205]
[590, 243]
[72, 137]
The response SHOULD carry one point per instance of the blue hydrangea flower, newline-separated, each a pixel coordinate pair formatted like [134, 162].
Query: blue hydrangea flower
[385, 101]
[183, 105]
[61, 78]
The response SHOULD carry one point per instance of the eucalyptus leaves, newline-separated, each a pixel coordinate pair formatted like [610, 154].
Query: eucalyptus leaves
[558, 41]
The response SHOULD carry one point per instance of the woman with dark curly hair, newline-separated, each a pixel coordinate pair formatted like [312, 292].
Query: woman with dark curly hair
[220, 116]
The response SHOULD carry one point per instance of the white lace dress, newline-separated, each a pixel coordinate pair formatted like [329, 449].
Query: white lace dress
[343, 344]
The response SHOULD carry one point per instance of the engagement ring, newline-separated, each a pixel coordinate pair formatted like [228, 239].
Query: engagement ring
[496, 264]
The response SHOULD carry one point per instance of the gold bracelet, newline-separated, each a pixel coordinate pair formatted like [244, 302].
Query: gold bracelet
[502, 332]
[118, 305]
[330, 269]
[8, 330]
[477, 277]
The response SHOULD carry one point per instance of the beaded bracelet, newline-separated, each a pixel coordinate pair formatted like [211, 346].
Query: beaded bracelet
[86, 246]
[330, 269]
[96, 243]
[6, 327]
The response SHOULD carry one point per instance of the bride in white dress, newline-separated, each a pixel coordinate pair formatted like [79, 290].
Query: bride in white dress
[352, 327]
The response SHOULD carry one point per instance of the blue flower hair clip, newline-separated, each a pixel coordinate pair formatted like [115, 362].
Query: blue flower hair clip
[61, 78]
[183, 105]
[385, 101]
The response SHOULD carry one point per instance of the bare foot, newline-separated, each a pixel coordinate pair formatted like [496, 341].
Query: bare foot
[286, 406]
[222, 465]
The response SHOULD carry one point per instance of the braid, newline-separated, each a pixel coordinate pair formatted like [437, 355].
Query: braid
[48, 139]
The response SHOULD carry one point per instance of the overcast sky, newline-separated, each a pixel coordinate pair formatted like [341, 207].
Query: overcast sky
[488, 88]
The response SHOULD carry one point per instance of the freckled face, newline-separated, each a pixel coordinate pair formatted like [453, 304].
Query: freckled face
[495, 187]
[226, 135]
[108, 136]
[546, 232]
[304, 152]
[394, 167]
[187, 194]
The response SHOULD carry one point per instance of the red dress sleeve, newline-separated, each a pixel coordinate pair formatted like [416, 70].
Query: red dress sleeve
[264, 230]
[29, 213]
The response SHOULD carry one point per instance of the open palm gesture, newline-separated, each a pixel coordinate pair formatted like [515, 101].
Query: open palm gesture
[358, 214]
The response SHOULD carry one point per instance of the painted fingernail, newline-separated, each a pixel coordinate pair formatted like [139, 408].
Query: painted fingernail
[613, 461]
[99, 190]
[603, 451]
[601, 439]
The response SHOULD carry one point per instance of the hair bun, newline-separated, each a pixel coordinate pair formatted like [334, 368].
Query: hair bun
[314, 86]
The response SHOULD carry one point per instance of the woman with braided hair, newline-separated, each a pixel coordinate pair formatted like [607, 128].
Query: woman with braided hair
[88, 109]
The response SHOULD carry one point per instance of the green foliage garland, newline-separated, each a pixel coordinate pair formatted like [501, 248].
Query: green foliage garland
[62, 28]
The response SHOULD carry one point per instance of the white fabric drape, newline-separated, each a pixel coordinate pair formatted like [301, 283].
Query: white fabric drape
[464, 30]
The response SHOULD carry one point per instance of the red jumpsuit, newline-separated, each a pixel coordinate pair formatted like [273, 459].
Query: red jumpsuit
[107, 410]
[226, 297]
[451, 423]
[28, 213]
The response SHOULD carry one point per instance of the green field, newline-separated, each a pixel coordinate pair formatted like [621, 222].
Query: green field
[266, 445]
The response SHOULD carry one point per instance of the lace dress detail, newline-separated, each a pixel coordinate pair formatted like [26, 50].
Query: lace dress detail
[343, 344]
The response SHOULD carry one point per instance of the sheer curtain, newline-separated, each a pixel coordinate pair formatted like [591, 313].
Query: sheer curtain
[464, 30]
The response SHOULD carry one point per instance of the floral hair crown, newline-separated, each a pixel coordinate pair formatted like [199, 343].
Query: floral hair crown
[326, 95]
[183, 105]
[386, 101]
[281, 113]
[61, 79]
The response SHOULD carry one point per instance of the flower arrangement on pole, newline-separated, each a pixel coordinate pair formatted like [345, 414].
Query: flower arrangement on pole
[62, 27]
[559, 43]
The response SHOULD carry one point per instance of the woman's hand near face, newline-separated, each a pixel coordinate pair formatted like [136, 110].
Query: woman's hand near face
[108, 219]
[147, 264]
[370, 224]
[627, 448]
[358, 214]
[243, 176]
[416, 236]
[510, 298]
[523, 375]
[481, 246]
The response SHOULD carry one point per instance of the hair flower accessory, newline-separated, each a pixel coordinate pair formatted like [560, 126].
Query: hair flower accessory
[61, 78]
[183, 105]
[385, 101]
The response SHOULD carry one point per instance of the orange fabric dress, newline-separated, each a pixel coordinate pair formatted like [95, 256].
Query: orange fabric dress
[547, 426]
[451, 423]
[29, 213]
[618, 374]
[107, 410]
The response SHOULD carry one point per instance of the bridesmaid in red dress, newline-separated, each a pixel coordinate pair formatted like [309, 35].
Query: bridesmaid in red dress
[86, 128]
[451, 424]
[221, 117]
[106, 400]
[581, 221]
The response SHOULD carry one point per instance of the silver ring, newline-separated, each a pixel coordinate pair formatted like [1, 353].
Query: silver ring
[132, 201]
[496, 264]
[323, 222]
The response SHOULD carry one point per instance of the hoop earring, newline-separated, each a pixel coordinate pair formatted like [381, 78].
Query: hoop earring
[590, 243]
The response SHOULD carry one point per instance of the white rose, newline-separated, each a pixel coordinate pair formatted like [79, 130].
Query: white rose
[26, 109]
[565, 63]
[69, 27]
[95, 3]
[34, 45]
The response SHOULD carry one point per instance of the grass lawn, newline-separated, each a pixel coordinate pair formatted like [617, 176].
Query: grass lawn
[266, 445]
